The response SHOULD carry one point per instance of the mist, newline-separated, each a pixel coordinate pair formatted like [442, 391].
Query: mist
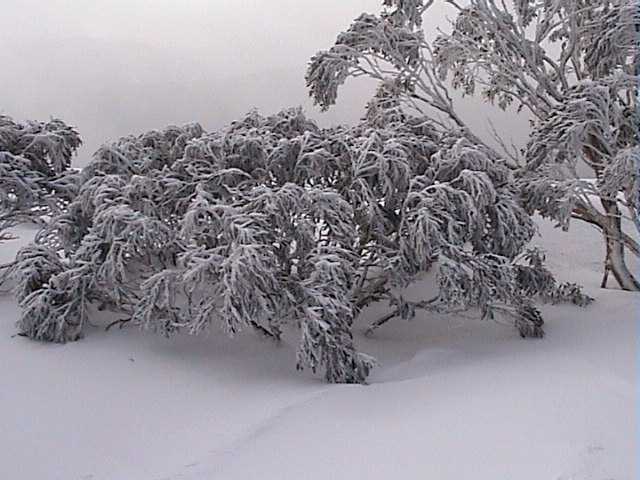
[117, 67]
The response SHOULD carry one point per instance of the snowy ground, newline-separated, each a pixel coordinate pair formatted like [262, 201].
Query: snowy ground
[453, 399]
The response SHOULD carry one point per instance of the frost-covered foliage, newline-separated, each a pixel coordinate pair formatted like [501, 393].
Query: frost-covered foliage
[35, 175]
[274, 223]
[35, 158]
[573, 64]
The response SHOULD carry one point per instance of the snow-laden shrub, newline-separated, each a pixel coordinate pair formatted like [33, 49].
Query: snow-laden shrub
[35, 174]
[35, 161]
[274, 223]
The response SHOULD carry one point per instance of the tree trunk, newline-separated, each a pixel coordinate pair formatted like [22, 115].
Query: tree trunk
[615, 262]
[611, 225]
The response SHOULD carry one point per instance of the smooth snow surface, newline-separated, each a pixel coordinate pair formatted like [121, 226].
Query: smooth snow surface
[453, 399]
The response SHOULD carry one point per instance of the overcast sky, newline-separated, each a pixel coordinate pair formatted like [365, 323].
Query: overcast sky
[114, 67]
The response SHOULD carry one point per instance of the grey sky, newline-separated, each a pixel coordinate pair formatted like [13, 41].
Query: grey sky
[114, 67]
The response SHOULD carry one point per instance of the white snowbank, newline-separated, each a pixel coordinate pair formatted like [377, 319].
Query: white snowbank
[453, 399]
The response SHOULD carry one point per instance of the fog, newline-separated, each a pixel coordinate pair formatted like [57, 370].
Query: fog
[114, 67]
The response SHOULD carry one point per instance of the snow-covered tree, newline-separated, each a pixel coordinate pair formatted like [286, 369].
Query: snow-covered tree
[572, 64]
[35, 160]
[274, 223]
[35, 174]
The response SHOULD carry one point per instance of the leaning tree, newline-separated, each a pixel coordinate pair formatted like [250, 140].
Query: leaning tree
[572, 64]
